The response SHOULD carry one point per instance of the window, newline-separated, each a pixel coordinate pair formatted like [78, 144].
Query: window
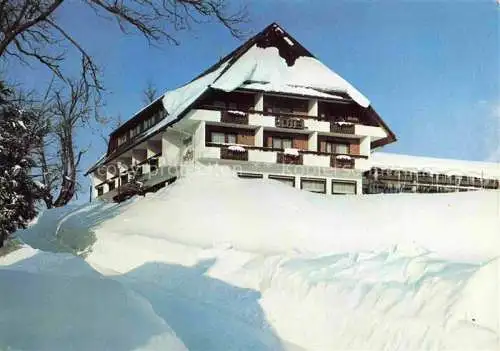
[218, 138]
[233, 106]
[249, 175]
[343, 187]
[153, 165]
[124, 179]
[313, 185]
[223, 138]
[135, 131]
[100, 190]
[122, 139]
[111, 185]
[281, 143]
[336, 148]
[281, 105]
[285, 180]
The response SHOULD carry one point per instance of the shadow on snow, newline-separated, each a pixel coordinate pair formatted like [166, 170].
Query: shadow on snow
[59, 302]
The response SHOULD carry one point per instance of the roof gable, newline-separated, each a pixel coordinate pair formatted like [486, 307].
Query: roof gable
[271, 61]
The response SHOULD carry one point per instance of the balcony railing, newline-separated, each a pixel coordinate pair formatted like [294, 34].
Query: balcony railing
[342, 128]
[235, 117]
[227, 154]
[289, 159]
[289, 122]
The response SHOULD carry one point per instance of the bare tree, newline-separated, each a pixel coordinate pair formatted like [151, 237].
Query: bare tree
[30, 29]
[65, 109]
[150, 93]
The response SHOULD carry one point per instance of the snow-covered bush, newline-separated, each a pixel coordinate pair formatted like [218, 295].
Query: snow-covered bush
[19, 135]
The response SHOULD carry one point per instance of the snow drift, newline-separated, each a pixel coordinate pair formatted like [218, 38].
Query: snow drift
[57, 302]
[232, 263]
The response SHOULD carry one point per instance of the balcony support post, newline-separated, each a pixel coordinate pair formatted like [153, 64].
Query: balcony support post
[313, 108]
[259, 137]
[313, 142]
[259, 102]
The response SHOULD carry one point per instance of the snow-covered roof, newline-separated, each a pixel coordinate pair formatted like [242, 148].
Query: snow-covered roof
[288, 89]
[271, 61]
[435, 165]
[266, 64]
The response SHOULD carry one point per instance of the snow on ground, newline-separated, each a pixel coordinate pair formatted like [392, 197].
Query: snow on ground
[58, 302]
[221, 263]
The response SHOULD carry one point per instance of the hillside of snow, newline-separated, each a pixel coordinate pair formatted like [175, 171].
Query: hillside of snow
[215, 262]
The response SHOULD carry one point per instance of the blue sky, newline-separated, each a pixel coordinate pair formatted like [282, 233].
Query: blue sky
[431, 69]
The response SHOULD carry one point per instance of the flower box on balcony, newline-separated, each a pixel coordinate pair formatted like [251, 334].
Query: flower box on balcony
[286, 158]
[289, 122]
[342, 127]
[342, 161]
[234, 117]
[234, 153]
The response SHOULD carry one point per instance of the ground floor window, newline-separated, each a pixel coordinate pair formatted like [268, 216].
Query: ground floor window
[153, 164]
[343, 187]
[284, 179]
[249, 175]
[111, 185]
[313, 185]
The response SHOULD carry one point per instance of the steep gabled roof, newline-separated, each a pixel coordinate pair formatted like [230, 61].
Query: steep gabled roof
[271, 61]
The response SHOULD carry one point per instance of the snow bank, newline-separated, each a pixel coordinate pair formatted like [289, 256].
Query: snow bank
[57, 302]
[260, 216]
[235, 263]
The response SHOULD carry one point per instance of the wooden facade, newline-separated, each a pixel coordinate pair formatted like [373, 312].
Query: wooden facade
[130, 131]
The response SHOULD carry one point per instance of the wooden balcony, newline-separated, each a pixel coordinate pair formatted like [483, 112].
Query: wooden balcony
[289, 122]
[234, 117]
[347, 163]
[342, 128]
[226, 154]
[283, 158]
